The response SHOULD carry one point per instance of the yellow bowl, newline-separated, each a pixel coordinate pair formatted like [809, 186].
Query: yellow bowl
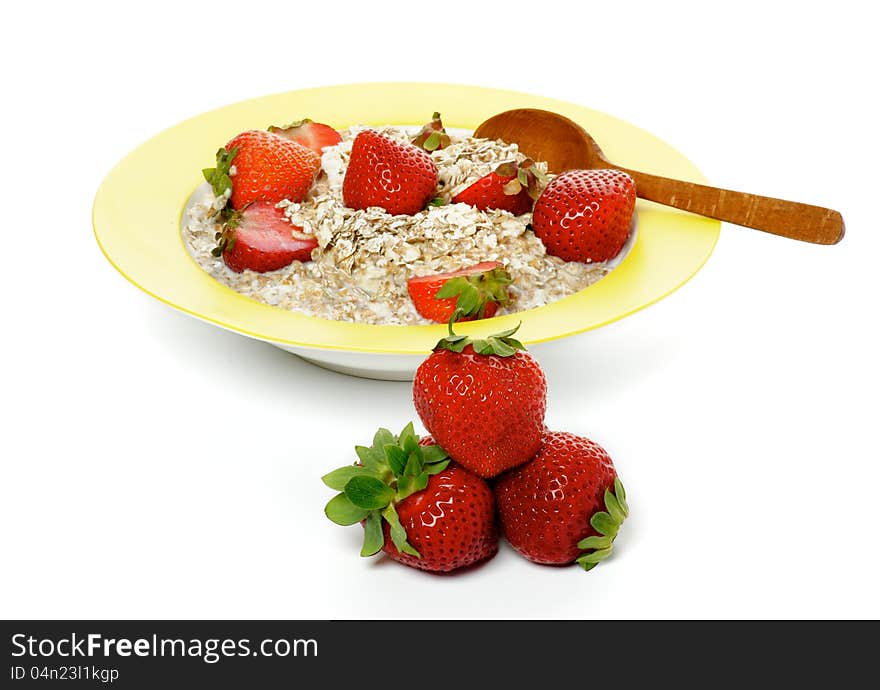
[138, 209]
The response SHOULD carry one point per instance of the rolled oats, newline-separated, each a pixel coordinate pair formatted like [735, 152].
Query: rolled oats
[359, 270]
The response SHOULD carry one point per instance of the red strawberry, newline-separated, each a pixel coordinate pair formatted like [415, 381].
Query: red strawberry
[476, 291]
[483, 401]
[414, 504]
[510, 187]
[433, 136]
[566, 505]
[312, 135]
[260, 238]
[261, 166]
[585, 215]
[394, 175]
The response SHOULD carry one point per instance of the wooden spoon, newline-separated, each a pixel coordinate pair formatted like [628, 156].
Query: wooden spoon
[565, 145]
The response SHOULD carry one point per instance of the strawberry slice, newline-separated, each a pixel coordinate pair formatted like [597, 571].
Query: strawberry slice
[260, 238]
[510, 187]
[473, 292]
[313, 135]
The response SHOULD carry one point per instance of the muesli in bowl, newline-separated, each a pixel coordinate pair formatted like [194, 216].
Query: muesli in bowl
[402, 226]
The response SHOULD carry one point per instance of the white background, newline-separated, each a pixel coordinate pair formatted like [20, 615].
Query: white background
[156, 466]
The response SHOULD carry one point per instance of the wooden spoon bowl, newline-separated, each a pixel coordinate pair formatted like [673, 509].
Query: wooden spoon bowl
[565, 145]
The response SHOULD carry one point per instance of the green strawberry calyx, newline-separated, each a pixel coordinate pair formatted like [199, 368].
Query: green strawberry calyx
[392, 469]
[523, 176]
[229, 220]
[220, 177]
[475, 291]
[433, 136]
[499, 344]
[607, 523]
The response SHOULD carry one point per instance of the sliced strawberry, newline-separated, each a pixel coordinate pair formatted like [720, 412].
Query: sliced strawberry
[260, 238]
[313, 135]
[510, 187]
[475, 291]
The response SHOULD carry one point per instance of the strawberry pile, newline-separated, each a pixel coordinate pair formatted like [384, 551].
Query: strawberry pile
[489, 466]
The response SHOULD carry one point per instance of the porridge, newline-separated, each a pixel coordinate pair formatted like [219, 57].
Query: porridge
[363, 258]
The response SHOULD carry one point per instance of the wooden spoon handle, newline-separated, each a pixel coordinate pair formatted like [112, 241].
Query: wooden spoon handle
[785, 218]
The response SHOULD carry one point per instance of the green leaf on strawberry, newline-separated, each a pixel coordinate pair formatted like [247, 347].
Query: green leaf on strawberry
[219, 178]
[607, 523]
[396, 458]
[408, 439]
[368, 492]
[500, 344]
[432, 142]
[398, 533]
[370, 459]
[382, 437]
[473, 292]
[337, 479]
[413, 465]
[433, 135]
[434, 455]
[343, 512]
[392, 469]
[374, 538]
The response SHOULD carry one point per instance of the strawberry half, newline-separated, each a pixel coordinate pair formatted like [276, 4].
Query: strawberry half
[510, 187]
[261, 166]
[483, 401]
[313, 135]
[433, 136]
[564, 506]
[475, 291]
[261, 238]
[415, 505]
[393, 175]
[585, 215]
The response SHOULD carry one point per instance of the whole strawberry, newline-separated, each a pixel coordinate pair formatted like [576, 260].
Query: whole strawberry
[414, 504]
[483, 401]
[262, 166]
[260, 238]
[510, 187]
[585, 215]
[394, 175]
[566, 505]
